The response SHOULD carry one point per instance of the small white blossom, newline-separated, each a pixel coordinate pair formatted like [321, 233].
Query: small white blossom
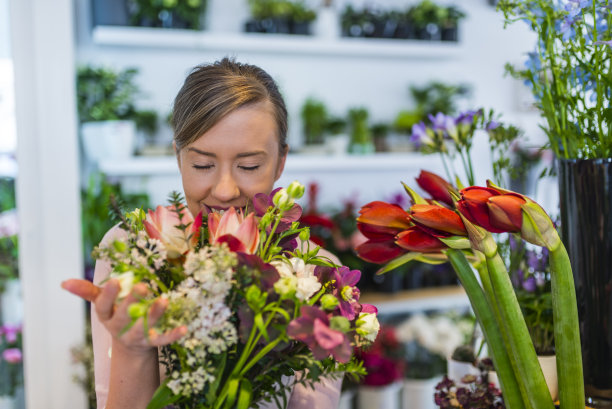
[126, 283]
[368, 326]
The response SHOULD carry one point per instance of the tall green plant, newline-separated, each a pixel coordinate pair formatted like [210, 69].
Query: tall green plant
[569, 72]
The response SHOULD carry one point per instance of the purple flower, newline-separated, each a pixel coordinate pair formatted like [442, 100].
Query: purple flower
[12, 355]
[608, 43]
[346, 292]
[419, 133]
[312, 328]
[529, 284]
[261, 204]
[10, 332]
[533, 261]
[399, 199]
[467, 117]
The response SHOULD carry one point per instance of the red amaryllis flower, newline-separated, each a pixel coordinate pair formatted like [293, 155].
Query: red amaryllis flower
[162, 223]
[378, 220]
[495, 210]
[416, 239]
[379, 251]
[437, 220]
[312, 328]
[239, 232]
[474, 205]
[437, 187]
[505, 211]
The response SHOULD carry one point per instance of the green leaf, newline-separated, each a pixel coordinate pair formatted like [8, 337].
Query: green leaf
[245, 394]
[232, 390]
[211, 396]
[398, 261]
[162, 397]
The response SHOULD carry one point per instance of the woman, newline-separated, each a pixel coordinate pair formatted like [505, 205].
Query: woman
[230, 129]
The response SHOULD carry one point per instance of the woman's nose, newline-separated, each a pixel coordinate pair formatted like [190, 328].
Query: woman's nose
[226, 189]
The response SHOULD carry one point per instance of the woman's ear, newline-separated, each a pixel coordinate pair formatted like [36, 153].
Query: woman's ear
[281, 164]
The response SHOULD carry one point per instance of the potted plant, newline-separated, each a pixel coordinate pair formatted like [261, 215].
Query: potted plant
[428, 340]
[337, 140]
[314, 120]
[301, 18]
[361, 137]
[11, 366]
[427, 17]
[185, 14]
[450, 23]
[380, 132]
[405, 28]
[279, 17]
[568, 73]
[107, 112]
[380, 388]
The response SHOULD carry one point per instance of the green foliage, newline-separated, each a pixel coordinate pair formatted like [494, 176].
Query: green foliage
[97, 215]
[314, 120]
[105, 94]
[426, 12]
[9, 246]
[437, 96]
[335, 125]
[11, 374]
[155, 11]
[360, 132]
[569, 72]
[295, 10]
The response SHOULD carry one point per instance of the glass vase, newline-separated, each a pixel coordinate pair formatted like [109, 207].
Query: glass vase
[585, 189]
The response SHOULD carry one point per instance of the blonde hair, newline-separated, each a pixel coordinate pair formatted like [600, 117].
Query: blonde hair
[212, 91]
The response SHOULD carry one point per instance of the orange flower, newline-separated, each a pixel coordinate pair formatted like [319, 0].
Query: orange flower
[239, 232]
[438, 188]
[415, 239]
[437, 220]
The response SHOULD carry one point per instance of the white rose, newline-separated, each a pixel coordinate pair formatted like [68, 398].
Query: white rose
[368, 326]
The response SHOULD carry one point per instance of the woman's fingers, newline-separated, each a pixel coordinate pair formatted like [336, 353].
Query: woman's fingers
[105, 301]
[167, 337]
[157, 310]
[121, 317]
[82, 288]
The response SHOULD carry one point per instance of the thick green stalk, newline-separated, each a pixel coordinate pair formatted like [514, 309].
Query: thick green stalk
[490, 328]
[504, 342]
[567, 332]
[529, 370]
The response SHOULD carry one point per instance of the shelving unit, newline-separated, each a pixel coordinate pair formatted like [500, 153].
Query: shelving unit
[410, 301]
[274, 43]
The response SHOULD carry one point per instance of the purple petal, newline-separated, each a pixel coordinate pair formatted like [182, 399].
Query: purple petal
[261, 203]
[326, 337]
[369, 309]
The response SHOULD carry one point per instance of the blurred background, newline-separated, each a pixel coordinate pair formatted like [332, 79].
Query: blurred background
[86, 91]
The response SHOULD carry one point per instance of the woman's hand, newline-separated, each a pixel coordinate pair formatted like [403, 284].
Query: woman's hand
[115, 316]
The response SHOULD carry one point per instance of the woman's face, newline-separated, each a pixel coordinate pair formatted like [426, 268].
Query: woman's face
[234, 160]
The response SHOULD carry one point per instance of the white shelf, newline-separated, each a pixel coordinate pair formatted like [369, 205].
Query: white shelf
[426, 299]
[166, 165]
[273, 43]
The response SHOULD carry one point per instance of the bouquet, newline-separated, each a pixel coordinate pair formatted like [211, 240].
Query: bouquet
[258, 301]
[457, 226]
[569, 71]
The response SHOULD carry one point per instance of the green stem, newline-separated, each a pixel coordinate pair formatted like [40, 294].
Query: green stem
[259, 355]
[448, 175]
[529, 370]
[504, 342]
[490, 329]
[567, 332]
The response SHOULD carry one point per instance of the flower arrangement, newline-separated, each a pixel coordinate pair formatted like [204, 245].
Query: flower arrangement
[11, 358]
[383, 359]
[568, 71]
[457, 225]
[428, 341]
[257, 303]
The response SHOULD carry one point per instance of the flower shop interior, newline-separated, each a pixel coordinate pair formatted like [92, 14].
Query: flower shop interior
[377, 91]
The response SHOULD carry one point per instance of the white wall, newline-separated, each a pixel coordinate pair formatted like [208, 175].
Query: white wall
[379, 84]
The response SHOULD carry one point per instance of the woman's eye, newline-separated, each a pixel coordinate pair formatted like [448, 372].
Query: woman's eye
[249, 168]
[202, 167]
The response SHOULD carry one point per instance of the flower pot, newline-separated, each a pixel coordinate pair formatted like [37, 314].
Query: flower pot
[347, 398]
[549, 367]
[457, 370]
[379, 397]
[337, 144]
[585, 189]
[108, 139]
[419, 393]
[327, 25]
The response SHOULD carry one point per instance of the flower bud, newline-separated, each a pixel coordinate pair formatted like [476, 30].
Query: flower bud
[295, 190]
[305, 235]
[339, 323]
[329, 302]
[137, 310]
[367, 326]
[281, 199]
[286, 286]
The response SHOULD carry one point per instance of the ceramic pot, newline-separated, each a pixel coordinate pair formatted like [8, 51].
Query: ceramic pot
[104, 140]
[419, 393]
[379, 397]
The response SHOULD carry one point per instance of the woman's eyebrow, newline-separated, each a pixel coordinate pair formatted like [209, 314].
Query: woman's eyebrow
[201, 152]
[252, 153]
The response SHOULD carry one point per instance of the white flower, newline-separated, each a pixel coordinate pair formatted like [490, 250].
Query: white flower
[368, 326]
[286, 286]
[126, 283]
[307, 282]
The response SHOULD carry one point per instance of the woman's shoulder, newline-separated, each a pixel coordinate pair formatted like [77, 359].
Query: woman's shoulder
[114, 233]
[103, 268]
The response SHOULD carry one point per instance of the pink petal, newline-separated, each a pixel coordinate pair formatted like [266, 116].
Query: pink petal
[326, 337]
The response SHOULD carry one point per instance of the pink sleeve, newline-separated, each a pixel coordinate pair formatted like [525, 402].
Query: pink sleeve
[102, 339]
[325, 395]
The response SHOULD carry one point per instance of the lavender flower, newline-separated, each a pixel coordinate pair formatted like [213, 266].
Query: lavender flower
[529, 284]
